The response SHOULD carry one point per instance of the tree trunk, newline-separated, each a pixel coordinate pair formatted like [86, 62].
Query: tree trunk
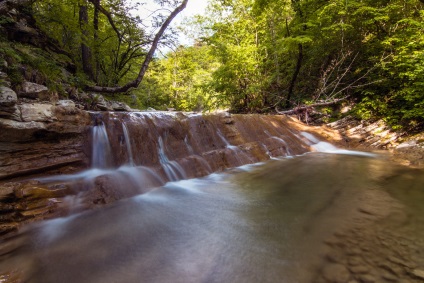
[85, 50]
[295, 75]
[149, 56]
[96, 39]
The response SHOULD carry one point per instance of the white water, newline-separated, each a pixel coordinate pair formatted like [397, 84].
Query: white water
[172, 169]
[101, 147]
[128, 144]
[241, 157]
[326, 147]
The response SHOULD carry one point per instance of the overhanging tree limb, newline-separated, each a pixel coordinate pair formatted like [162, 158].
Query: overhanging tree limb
[149, 56]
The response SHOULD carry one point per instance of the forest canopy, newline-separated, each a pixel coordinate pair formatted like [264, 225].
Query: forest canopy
[249, 55]
[262, 55]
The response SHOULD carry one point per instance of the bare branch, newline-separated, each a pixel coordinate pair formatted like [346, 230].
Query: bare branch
[306, 107]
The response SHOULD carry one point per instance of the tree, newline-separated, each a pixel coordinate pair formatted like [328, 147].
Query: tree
[180, 80]
[144, 66]
[121, 46]
[85, 50]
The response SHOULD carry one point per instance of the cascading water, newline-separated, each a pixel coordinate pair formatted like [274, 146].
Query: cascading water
[240, 156]
[286, 147]
[128, 144]
[173, 170]
[311, 218]
[101, 147]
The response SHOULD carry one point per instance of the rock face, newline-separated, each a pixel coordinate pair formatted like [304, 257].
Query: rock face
[8, 101]
[47, 137]
[41, 137]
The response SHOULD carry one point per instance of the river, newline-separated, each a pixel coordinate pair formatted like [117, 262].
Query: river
[318, 217]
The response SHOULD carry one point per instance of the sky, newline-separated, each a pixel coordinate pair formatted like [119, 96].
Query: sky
[194, 7]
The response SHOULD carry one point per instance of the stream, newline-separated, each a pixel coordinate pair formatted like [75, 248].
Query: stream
[318, 217]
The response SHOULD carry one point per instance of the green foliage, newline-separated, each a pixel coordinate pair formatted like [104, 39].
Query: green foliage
[250, 55]
[370, 51]
[115, 55]
[36, 64]
[180, 81]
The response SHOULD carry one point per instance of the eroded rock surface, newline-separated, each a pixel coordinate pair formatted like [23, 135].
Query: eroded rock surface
[45, 137]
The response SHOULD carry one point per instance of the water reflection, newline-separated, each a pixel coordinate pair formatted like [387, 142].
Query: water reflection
[270, 223]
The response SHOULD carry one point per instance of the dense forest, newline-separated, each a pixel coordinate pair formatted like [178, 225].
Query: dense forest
[249, 55]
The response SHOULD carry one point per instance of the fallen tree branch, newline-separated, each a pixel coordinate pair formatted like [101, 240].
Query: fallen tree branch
[301, 108]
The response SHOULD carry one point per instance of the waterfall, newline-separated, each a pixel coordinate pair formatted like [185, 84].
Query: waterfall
[286, 146]
[235, 150]
[128, 144]
[224, 140]
[189, 147]
[171, 147]
[100, 147]
[172, 169]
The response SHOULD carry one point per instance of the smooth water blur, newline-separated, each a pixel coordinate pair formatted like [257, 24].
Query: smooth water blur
[264, 223]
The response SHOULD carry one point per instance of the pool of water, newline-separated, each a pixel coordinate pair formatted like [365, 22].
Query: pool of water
[313, 218]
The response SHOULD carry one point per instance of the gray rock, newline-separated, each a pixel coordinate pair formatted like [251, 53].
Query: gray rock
[12, 131]
[12, 113]
[336, 273]
[33, 90]
[3, 64]
[8, 107]
[119, 106]
[65, 103]
[99, 102]
[36, 112]
[7, 97]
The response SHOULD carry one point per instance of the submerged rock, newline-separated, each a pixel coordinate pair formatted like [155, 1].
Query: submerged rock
[418, 273]
[336, 273]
